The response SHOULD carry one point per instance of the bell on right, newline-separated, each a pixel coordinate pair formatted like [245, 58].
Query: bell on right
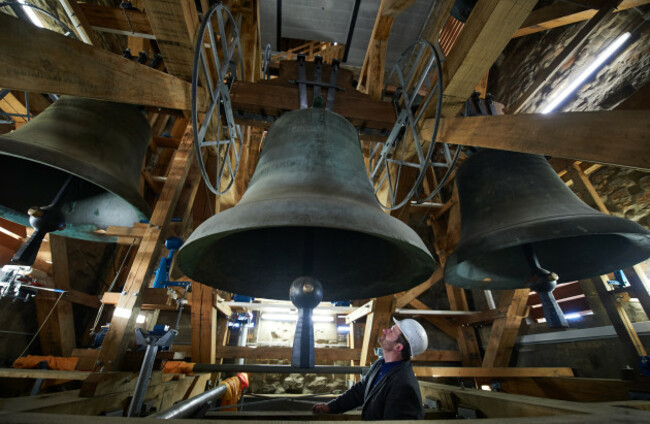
[518, 217]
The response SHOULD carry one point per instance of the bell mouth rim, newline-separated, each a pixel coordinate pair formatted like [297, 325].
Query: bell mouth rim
[55, 161]
[212, 231]
[586, 218]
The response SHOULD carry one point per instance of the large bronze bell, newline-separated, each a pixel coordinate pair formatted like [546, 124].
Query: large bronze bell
[309, 211]
[101, 143]
[514, 206]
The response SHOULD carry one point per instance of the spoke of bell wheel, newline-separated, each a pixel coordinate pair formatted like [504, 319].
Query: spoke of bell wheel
[445, 152]
[391, 192]
[416, 138]
[223, 164]
[415, 65]
[207, 73]
[380, 182]
[422, 79]
[423, 106]
[222, 32]
[206, 122]
[215, 54]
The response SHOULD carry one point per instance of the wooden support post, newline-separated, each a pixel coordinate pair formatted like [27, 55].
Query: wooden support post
[504, 330]
[58, 335]
[204, 324]
[377, 320]
[632, 345]
[126, 311]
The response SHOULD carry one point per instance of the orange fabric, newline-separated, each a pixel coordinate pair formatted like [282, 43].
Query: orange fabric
[178, 367]
[233, 394]
[53, 362]
[244, 379]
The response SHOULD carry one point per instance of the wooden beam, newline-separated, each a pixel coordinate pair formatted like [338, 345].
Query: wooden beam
[371, 77]
[58, 335]
[504, 330]
[480, 372]
[573, 389]
[585, 136]
[41, 61]
[270, 99]
[416, 291]
[443, 323]
[204, 324]
[564, 13]
[151, 299]
[485, 34]
[11, 104]
[112, 19]
[438, 355]
[222, 306]
[377, 320]
[322, 355]
[361, 311]
[44, 374]
[576, 42]
[175, 24]
[128, 306]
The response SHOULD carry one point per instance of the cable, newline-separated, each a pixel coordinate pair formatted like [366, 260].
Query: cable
[110, 288]
[43, 324]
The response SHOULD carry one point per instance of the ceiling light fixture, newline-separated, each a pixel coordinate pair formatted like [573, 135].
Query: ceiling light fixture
[602, 57]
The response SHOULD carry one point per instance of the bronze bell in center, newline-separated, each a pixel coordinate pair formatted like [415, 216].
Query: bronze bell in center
[309, 211]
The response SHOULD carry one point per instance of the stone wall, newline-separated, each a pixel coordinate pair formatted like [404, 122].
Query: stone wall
[625, 192]
[280, 333]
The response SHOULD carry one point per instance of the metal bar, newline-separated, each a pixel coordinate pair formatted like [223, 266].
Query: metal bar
[353, 23]
[189, 407]
[331, 91]
[143, 380]
[278, 25]
[3, 93]
[302, 87]
[318, 62]
[280, 369]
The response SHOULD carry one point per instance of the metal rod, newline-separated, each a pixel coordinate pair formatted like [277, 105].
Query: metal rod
[143, 380]
[280, 369]
[189, 407]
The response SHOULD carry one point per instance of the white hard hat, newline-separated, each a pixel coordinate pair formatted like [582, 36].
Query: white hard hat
[415, 334]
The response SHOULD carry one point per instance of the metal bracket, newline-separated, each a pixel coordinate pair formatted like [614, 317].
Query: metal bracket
[317, 84]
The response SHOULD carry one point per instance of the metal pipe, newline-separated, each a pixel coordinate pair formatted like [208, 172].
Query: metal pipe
[280, 369]
[143, 380]
[189, 407]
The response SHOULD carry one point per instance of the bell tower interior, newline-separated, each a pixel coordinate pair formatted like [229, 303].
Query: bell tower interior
[213, 209]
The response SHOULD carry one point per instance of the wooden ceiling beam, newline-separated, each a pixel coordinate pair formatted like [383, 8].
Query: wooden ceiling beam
[41, 61]
[175, 24]
[114, 20]
[565, 13]
[485, 34]
[371, 78]
[585, 136]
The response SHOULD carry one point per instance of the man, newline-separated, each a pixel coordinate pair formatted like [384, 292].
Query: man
[389, 391]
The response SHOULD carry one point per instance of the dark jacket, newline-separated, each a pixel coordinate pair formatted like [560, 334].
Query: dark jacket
[395, 397]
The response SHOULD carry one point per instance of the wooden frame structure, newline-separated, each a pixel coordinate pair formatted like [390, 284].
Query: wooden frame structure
[173, 24]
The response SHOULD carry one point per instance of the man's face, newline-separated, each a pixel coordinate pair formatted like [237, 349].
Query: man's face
[388, 338]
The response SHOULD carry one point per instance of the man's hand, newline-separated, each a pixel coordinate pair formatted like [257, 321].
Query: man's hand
[320, 408]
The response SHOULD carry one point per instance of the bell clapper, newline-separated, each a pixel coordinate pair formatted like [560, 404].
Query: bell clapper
[544, 282]
[44, 220]
[305, 293]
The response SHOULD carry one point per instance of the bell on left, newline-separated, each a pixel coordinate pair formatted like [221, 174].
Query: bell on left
[81, 157]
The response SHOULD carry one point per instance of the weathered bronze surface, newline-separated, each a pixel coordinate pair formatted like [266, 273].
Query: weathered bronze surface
[101, 143]
[309, 211]
[509, 200]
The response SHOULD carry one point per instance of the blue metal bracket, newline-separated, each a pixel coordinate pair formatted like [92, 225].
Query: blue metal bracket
[161, 280]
